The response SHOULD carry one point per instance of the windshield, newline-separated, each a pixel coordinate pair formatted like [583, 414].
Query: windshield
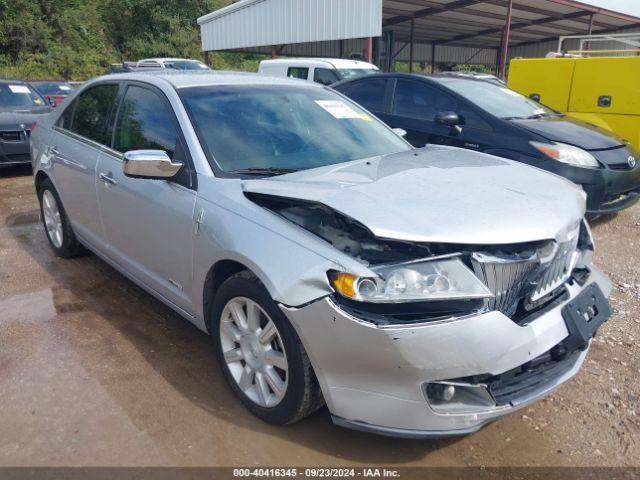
[347, 73]
[498, 100]
[188, 65]
[53, 88]
[284, 127]
[19, 96]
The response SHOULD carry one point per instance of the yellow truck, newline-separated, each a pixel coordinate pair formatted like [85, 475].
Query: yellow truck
[604, 91]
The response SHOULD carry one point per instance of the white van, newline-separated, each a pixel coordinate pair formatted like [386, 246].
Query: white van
[321, 70]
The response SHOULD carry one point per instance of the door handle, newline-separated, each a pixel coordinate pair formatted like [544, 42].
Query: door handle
[105, 177]
[54, 152]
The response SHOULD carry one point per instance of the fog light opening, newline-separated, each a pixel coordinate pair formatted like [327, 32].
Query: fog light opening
[448, 392]
[449, 397]
[439, 392]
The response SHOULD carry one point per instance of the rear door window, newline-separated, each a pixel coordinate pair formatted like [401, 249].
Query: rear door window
[369, 93]
[92, 112]
[64, 121]
[298, 72]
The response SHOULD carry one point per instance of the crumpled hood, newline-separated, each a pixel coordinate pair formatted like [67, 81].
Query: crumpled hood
[15, 120]
[440, 194]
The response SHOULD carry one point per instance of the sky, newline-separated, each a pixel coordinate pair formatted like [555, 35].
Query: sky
[632, 7]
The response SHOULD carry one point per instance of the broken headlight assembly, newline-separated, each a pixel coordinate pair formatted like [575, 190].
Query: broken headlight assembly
[418, 281]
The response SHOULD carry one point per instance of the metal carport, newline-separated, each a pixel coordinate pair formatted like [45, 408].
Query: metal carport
[426, 31]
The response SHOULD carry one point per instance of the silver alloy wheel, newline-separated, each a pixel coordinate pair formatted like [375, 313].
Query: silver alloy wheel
[52, 220]
[254, 352]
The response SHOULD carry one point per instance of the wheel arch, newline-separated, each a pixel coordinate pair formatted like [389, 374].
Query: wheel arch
[217, 274]
[39, 179]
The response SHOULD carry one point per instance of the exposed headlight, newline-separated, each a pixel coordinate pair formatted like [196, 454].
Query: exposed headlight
[567, 154]
[446, 279]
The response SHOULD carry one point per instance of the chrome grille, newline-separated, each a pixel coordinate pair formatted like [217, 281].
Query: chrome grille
[558, 269]
[532, 274]
[504, 277]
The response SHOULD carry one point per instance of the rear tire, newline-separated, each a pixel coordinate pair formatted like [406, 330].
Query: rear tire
[266, 365]
[56, 222]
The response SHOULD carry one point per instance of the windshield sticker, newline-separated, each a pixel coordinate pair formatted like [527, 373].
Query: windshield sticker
[19, 89]
[37, 101]
[64, 87]
[339, 109]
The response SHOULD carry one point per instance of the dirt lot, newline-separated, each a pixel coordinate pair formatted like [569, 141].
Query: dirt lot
[93, 371]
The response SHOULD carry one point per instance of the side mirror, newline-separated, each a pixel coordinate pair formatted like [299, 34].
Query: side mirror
[401, 132]
[153, 164]
[52, 102]
[451, 119]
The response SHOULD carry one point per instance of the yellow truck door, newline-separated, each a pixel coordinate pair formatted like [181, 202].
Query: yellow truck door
[550, 79]
[609, 85]
[606, 92]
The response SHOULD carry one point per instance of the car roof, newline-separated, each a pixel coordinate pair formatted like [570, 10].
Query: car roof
[334, 62]
[184, 79]
[39, 82]
[432, 78]
[13, 82]
[467, 74]
[167, 59]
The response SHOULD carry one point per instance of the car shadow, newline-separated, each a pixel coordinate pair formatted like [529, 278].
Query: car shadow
[182, 354]
[601, 219]
[18, 171]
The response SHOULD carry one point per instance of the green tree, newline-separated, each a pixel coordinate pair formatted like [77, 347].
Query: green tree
[78, 39]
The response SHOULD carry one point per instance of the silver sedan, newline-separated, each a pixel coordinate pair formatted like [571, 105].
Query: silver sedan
[415, 292]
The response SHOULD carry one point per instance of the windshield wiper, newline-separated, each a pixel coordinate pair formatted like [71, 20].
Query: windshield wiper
[535, 116]
[271, 171]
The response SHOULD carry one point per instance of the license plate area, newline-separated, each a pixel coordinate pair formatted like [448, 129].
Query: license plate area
[583, 316]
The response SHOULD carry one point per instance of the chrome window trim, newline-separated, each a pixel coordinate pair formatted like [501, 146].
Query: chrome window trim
[80, 138]
[104, 149]
[114, 153]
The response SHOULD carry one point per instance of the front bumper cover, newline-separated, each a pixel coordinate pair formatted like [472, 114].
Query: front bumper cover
[14, 151]
[608, 190]
[372, 377]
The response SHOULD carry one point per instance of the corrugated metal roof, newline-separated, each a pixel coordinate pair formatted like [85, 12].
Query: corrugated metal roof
[463, 31]
[480, 22]
[467, 23]
[351, 47]
[254, 23]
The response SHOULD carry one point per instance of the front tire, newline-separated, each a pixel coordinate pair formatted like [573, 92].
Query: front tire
[260, 354]
[56, 222]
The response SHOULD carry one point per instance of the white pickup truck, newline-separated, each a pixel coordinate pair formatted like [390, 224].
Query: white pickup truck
[321, 70]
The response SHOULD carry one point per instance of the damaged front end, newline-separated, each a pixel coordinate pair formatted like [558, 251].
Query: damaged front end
[435, 338]
[345, 234]
[414, 282]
